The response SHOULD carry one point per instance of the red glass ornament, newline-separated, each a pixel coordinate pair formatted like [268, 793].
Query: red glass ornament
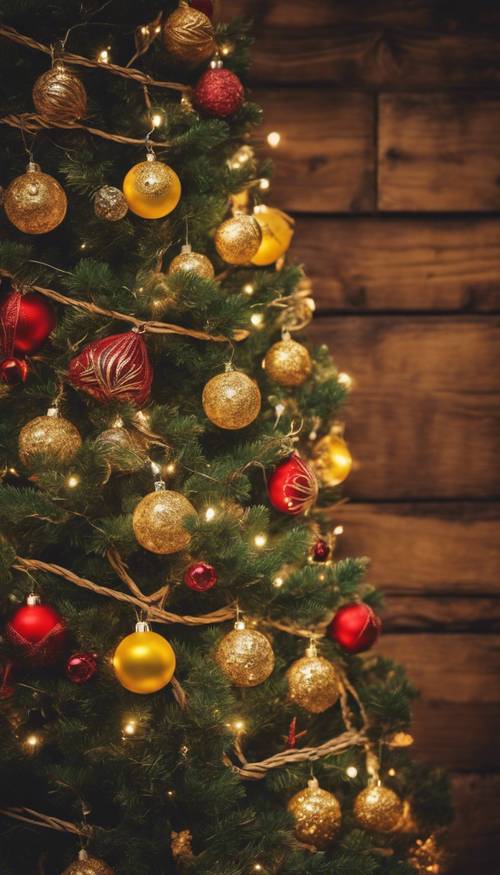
[321, 550]
[218, 93]
[200, 576]
[25, 322]
[115, 368]
[38, 630]
[13, 371]
[81, 667]
[355, 627]
[292, 487]
[205, 6]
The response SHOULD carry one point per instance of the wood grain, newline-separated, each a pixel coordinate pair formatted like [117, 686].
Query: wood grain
[475, 835]
[326, 159]
[423, 418]
[439, 152]
[383, 263]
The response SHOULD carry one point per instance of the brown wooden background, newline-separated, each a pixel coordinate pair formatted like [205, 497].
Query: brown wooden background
[389, 112]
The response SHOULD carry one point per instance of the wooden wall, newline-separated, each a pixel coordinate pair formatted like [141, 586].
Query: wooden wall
[389, 113]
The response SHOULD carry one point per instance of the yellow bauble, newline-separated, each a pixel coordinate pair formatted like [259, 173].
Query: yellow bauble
[245, 656]
[187, 260]
[35, 202]
[277, 233]
[50, 435]
[86, 865]
[158, 521]
[189, 35]
[288, 363]
[144, 661]
[152, 189]
[231, 400]
[313, 682]
[331, 459]
[59, 95]
[317, 815]
[238, 239]
[378, 808]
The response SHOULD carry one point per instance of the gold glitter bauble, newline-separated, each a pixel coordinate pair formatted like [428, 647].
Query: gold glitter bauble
[35, 202]
[158, 521]
[427, 856]
[52, 436]
[189, 35]
[288, 363]
[86, 865]
[238, 239]
[122, 449]
[313, 683]
[245, 656]
[317, 815]
[277, 233]
[331, 459]
[59, 95]
[144, 662]
[110, 204]
[152, 189]
[187, 260]
[231, 400]
[378, 808]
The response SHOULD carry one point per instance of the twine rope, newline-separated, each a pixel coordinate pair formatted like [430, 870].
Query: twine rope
[33, 123]
[36, 818]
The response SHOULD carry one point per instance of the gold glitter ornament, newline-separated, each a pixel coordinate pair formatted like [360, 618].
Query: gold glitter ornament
[35, 202]
[59, 95]
[50, 435]
[245, 656]
[152, 189]
[317, 815]
[110, 204]
[189, 35]
[427, 856]
[288, 362]
[86, 865]
[277, 233]
[231, 400]
[238, 239]
[331, 459]
[313, 682]
[144, 662]
[378, 808]
[187, 260]
[158, 521]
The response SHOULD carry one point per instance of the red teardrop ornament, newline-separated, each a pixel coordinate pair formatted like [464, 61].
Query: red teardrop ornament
[114, 368]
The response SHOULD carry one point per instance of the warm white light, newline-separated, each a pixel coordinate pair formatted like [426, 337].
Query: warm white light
[274, 139]
[264, 184]
[338, 530]
[238, 725]
[33, 741]
[391, 772]
[103, 56]
[72, 481]
[260, 540]
[257, 320]
[345, 379]
[257, 867]
[226, 49]
[248, 289]
[130, 727]
[351, 772]
[157, 119]
[278, 582]
[144, 30]
[83, 245]
[170, 793]
[209, 513]
[170, 468]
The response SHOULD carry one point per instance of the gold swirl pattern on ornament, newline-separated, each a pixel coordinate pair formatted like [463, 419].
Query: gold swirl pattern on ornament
[59, 95]
[189, 35]
[301, 491]
[119, 370]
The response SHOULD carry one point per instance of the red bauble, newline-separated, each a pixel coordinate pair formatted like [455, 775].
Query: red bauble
[218, 93]
[200, 576]
[81, 667]
[39, 631]
[205, 6]
[355, 627]
[292, 487]
[115, 368]
[13, 371]
[25, 323]
[321, 550]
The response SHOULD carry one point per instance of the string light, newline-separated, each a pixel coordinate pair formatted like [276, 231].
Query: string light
[260, 540]
[226, 49]
[33, 742]
[351, 772]
[274, 139]
[170, 793]
[238, 725]
[391, 772]
[209, 514]
[130, 727]
[170, 468]
[344, 379]
[258, 868]
[338, 530]
[103, 56]
[73, 481]
[157, 119]
[264, 184]
[248, 289]
[83, 245]
[257, 320]
[278, 582]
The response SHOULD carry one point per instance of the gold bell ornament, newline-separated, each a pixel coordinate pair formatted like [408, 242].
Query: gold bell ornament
[317, 815]
[86, 865]
[144, 662]
[151, 188]
[245, 656]
[59, 95]
[288, 362]
[378, 808]
[158, 520]
[238, 239]
[189, 35]
[51, 435]
[231, 400]
[277, 233]
[313, 682]
[196, 262]
[331, 458]
[35, 202]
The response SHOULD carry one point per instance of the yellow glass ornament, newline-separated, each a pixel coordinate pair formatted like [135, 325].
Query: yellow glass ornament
[238, 239]
[86, 865]
[187, 260]
[277, 233]
[144, 662]
[317, 815]
[49, 435]
[152, 189]
[35, 202]
[189, 35]
[158, 521]
[378, 808]
[313, 682]
[331, 459]
[288, 362]
[245, 656]
[231, 400]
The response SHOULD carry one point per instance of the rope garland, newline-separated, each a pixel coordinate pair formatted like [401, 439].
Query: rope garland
[36, 818]
[32, 123]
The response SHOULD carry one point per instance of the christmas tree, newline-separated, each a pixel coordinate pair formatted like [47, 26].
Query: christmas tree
[186, 678]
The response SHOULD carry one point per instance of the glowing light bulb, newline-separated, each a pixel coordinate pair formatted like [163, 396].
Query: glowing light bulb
[103, 56]
[264, 184]
[338, 530]
[238, 725]
[170, 793]
[274, 139]
[209, 513]
[391, 772]
[83, 245]
[260, 540]
[248, 289]
[257, 320]
[130, 727]
[344, 379]
[72, 481]
[170, 468]
[144, 30]
[351, 772]
[257, 868]
[226, 49]
[33, 742]
[278, 582]
[157, 119]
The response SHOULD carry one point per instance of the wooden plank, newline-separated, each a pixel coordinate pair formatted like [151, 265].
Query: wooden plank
[326, 159]
[474, 837]
[423, 417]
[440, 549]
[450, 614]
[439, 152]
[383, 263]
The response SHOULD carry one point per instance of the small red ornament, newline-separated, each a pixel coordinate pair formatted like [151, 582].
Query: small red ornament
[81, 667]
[25, 323]
[355, 627]
[218, 93]
[321, 550]
[205, 6]
[292, 487]
[115, 368]
[38, 630]
[200, 576]
[13, 371]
